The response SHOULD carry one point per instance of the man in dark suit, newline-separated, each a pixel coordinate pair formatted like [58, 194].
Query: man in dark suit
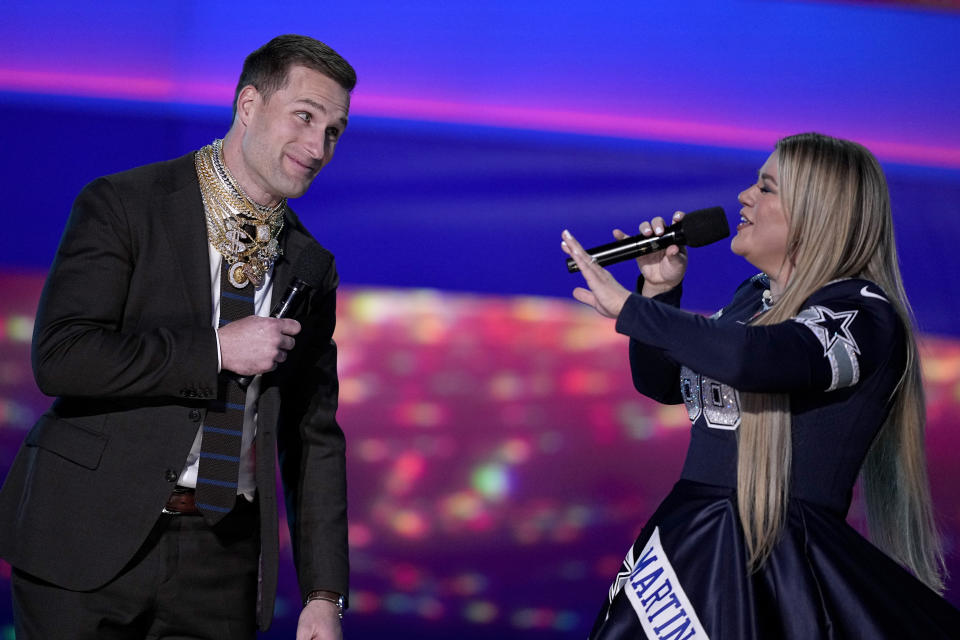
[143, 503]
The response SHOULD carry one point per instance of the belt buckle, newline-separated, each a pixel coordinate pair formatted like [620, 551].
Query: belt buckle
[177, 490]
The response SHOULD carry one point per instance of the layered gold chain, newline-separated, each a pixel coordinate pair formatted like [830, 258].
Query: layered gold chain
[242, 231]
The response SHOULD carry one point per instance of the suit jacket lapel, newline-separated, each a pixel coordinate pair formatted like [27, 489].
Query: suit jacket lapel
[292, 243]
[187, 233]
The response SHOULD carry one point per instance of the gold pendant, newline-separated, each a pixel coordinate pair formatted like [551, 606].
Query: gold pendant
[253, 274]
[238, 275]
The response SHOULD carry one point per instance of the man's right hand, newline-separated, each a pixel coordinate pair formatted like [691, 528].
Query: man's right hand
[255, 345]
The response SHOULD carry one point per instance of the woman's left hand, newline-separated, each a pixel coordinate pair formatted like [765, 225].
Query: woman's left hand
[605, 294]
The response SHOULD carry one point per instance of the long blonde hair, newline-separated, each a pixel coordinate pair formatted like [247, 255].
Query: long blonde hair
[835, 197]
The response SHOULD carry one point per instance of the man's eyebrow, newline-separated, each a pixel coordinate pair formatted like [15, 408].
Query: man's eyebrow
[313, 103]
[320, 107]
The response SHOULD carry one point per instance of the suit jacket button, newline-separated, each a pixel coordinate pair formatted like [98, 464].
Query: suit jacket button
[195, 415]
[171, 475]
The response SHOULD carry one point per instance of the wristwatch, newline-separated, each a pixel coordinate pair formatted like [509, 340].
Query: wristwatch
[328, 596]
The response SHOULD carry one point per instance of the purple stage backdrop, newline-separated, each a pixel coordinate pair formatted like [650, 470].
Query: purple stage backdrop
[500, 462]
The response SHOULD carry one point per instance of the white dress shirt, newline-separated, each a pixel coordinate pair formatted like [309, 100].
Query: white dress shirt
[246, 483]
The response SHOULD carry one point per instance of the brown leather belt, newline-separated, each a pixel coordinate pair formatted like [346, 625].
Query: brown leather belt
[182, 502]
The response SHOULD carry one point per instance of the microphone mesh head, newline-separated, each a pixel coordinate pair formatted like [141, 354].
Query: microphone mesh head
[705, 226]
[311, 265]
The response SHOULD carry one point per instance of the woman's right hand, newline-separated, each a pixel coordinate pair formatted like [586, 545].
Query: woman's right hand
[662, 270]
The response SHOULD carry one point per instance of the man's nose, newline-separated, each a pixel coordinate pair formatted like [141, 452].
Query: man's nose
[315, 144]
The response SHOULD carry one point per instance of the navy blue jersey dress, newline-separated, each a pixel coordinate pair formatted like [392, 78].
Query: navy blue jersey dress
[685, 577]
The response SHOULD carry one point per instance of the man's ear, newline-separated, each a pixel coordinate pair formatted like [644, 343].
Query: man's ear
[247, 101]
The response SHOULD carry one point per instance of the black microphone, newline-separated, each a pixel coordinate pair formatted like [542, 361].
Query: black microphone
[696, 229]
[309, 269]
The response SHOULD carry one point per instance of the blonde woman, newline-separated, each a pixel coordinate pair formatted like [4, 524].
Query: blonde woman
[808, 378]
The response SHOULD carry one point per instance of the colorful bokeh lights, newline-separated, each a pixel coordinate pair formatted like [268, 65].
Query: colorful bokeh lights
[500, 460]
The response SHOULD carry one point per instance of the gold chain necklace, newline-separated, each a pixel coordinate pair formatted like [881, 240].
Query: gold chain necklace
[242, 231]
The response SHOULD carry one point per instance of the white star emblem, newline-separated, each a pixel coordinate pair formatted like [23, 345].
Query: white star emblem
[832, 327]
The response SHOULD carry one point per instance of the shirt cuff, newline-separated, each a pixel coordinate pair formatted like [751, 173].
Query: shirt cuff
[216, 332]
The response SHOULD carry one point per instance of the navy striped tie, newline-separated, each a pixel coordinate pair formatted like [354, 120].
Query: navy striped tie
[223, 427]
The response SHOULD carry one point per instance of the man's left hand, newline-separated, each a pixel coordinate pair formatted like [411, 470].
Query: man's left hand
[319, 620]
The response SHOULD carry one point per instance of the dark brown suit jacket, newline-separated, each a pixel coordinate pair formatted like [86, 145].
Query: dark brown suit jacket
[124, 341]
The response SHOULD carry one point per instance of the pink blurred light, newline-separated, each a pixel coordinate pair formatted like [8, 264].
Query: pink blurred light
[621, 125]
[468, 584]
[152, 88]
[360, 535]
[410, 524]
[363, 601]
[404, 473]
[406, 577]
[626, 126]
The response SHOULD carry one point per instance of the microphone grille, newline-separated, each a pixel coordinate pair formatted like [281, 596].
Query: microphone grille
[311, 264]
[705, 226]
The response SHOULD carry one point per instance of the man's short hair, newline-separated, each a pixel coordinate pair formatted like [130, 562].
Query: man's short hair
[267, 67]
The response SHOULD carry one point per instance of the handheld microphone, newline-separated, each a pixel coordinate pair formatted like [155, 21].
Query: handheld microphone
[696, 229]
[308, 272]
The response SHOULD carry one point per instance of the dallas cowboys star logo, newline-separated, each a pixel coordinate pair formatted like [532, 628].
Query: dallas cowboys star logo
[833, 327]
